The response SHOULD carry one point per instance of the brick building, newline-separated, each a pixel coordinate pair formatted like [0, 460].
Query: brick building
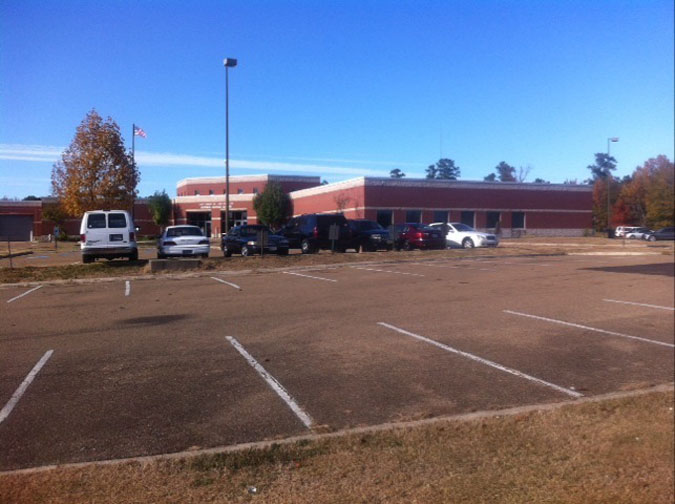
[519, 208]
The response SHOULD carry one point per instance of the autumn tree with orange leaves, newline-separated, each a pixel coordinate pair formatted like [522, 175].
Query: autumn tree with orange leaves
[95, 172]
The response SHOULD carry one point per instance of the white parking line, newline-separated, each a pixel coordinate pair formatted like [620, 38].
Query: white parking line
[587, 328]
[640, 304]
[127, 288]
[309, 276]
[25, 293]
[272, 382]
[4, 413]
[225, 282]
[387, 271]
[484, 361]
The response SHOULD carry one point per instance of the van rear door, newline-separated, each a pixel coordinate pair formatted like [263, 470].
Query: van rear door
[118, 230]
[96, 231]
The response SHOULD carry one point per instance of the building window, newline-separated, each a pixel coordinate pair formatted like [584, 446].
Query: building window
[196, 192]
[413, 216]
[492, 218]
[224, 191]
[440, 216]
[518, 220]
[255, 190]
[210, 191]
[468, 218]
[385, 218]
[240, 191]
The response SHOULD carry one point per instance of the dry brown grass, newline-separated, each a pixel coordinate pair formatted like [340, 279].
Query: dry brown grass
[615, 451]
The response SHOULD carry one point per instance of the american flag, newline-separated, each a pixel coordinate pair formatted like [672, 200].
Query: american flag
[139, 132]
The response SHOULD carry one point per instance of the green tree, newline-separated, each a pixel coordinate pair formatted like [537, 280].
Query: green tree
[396, 173]
[445, 169]
[604, 164]
[160, 207]
[505, 172]
[490, 178]
[95, 171]
[273, 206]
[31, 198]
[541, 181]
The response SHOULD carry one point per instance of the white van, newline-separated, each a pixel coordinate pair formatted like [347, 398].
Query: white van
[109, 234]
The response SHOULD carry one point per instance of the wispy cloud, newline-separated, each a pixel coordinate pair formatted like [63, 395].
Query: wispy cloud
[51, 154]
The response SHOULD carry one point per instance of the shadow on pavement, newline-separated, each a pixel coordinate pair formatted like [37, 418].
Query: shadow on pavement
[664, 269]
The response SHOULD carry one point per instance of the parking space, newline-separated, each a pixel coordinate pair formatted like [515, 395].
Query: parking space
[149, 366]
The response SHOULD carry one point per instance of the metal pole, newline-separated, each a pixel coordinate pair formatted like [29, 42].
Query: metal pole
[133, 161]
[227, 151]
[608, 187]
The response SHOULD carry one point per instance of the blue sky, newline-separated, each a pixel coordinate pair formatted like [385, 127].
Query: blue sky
[338, 89]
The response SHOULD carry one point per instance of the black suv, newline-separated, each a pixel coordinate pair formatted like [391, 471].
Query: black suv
[309, 232]
[369, 235]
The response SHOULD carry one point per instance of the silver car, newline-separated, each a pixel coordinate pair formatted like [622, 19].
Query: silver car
[182, 241]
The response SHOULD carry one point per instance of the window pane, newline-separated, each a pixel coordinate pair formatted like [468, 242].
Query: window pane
[440, 216]
[492, 219]
[468, 218]
[413, 216]
[518, 220]
[96, 221]
[117, 220]
[384, 218]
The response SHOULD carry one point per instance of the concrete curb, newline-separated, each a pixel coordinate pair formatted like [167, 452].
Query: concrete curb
[260, 445]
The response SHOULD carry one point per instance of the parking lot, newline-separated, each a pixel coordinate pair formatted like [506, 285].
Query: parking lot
[120, 368]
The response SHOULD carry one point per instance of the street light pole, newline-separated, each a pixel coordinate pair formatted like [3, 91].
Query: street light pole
[229, 63]
[609, 174]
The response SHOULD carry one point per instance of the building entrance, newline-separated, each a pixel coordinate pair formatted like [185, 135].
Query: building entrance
[200, 219]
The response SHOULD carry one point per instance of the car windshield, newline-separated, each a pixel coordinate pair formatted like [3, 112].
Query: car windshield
[462, 227]
[184, 231]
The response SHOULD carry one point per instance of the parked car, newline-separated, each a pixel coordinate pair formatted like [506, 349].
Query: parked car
[107, 234]
[419, 236]
[667, 233]
[637, 233]
[621, 231]
[461, 235]
[245, 240]
[368, 235]
[182, 241]
[310, 232]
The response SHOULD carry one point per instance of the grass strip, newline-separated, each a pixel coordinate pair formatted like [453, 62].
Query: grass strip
[612, 451]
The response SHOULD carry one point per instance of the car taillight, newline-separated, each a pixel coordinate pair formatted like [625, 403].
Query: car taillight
[169, 243]
[131, 236]
[315, 232]
[83, 238]
[419, 235]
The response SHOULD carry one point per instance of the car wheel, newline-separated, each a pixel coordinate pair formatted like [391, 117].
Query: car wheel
[227, 252]
[652, 238]
[87, 259]
[467, 243]
[282, 252]
[245, 251]
[407, 245]
[160, 255]
[205, 256]
[306, 247]
[134, 256]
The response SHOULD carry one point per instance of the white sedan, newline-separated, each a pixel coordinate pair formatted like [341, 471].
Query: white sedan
[637, 233]
[183, 241]
[461, 235]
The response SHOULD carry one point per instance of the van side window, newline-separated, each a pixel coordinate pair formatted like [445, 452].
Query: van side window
[96, 221]
[117, 220]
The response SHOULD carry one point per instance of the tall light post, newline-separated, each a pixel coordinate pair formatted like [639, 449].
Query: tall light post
[229, 63]
[609, 174]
